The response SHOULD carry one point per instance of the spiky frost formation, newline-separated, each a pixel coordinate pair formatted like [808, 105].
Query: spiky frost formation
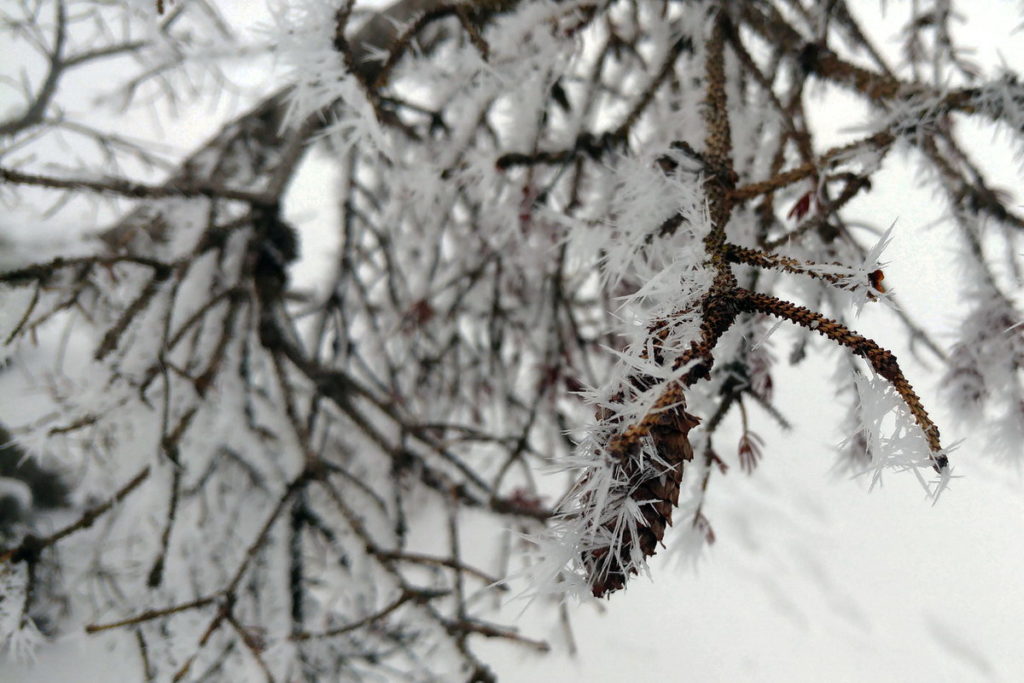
[629, 505]
[886, 437]
[633, 458]
[622, 505]
[984, 378]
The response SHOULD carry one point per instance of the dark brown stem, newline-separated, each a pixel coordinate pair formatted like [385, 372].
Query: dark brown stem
[31, 546]
[881, 360]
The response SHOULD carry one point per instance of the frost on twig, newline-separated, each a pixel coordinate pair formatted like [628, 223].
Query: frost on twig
[624, 504]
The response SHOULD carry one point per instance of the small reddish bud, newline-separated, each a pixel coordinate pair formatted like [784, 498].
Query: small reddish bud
[875, 278]
[802, 207]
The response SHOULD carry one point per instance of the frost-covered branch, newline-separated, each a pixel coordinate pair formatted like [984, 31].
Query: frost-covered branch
[544, 235]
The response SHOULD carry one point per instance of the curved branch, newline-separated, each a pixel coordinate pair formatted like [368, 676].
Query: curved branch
[36, 110]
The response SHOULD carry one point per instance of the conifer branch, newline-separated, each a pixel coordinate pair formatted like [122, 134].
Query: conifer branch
[881, 360]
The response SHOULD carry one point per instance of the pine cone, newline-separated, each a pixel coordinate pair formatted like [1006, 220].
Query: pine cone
[651, 481]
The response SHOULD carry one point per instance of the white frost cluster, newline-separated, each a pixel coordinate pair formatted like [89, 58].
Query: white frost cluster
[1003, 100]
[304, 30]
[661, 277]
[856, 285]
[18, 633]
[888, 438]
[984, 381]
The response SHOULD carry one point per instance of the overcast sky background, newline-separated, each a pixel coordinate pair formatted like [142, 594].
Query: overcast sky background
[813, 577]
